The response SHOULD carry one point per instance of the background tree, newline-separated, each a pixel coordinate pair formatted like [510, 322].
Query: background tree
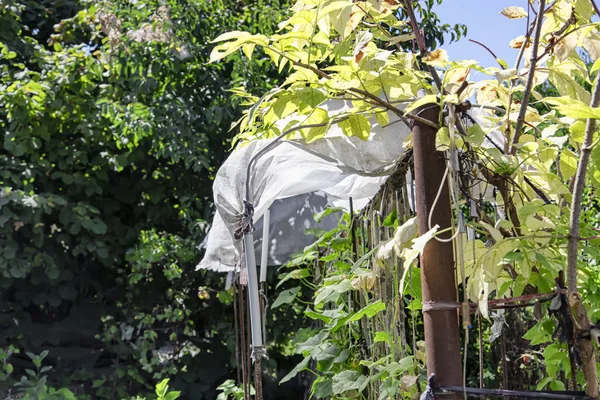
[113, 126]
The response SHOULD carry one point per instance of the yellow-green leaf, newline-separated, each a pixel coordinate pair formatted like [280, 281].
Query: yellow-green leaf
[442, 139]
[356, 125]
[319, 116]
[430, 98]
[568, 163]
[573, 108]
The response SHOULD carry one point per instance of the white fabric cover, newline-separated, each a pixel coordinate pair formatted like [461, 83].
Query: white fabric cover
[289, 220]
[338, 166]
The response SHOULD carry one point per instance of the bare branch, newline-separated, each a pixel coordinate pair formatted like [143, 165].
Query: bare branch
[529, 84]
[595, 7]
[489, 51]
[579, 185]
[579, 315]
[421, 41]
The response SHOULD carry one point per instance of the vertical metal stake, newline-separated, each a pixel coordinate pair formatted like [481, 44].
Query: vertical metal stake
[438, 283]
[264, 254]
[255, 315]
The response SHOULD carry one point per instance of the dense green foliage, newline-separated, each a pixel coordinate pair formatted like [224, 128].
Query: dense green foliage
[113, 126]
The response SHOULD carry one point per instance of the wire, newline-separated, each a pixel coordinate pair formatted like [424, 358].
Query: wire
[437, 197]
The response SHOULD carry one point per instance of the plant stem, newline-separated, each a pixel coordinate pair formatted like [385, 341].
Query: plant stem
[529, 84]
[585, 152]
[489, 51]
[595, 7]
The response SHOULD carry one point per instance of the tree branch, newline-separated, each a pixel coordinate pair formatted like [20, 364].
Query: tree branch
[585, 152]
[595, 7]
[529, 84]
[489, 51]
[579, 316]
[380, 102]
[421, 41]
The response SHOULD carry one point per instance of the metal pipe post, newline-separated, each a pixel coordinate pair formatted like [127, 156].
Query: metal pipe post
[437, 267]
[255, 315]
[264, 254]
[253, 297]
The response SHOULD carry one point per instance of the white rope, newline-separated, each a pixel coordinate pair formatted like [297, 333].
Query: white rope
[437, 197]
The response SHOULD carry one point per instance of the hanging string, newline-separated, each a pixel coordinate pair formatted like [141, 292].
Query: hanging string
[448, 179]
[460, 229]
[504, 365]
[399, 300]
[480, 351]
[412, 293]
[435, 201]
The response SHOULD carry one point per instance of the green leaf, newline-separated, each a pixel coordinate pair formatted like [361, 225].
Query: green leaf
[595, 66]
[318, 117]
[162, 387]
[391, 219]
[329, 210]
[348, 380]
[537, 335]
[442, 139]
[172, 395]
[10, 250]
[568, 163]
[298, 368]
[322, 387]
[241, 38]
[568, 87]
[295, 274]
[285, 105]
[332, 292]
[98, 227]
[427, 99]
[381, 337]
[309, 98]
[286, 297]
[356, 125]
[312, 342]
[368, 311]
[544, 382]
[573, 108]
[577, 131]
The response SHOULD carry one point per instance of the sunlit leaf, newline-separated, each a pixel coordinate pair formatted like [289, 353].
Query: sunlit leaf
[356, 125]
[517, 42]
[514, 12]
[427, 99]
[573, 108]
[437, 58]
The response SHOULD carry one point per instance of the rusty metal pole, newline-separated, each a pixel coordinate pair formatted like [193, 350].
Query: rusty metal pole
[437, 261]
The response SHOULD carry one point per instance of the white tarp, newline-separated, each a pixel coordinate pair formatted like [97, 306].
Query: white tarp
[338, 166]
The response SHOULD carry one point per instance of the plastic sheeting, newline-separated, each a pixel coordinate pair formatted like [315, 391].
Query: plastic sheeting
[338, 166]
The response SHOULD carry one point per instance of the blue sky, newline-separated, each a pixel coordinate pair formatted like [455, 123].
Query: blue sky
[484, 24]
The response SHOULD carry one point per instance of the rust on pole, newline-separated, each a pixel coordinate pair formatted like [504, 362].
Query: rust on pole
[437, 261]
